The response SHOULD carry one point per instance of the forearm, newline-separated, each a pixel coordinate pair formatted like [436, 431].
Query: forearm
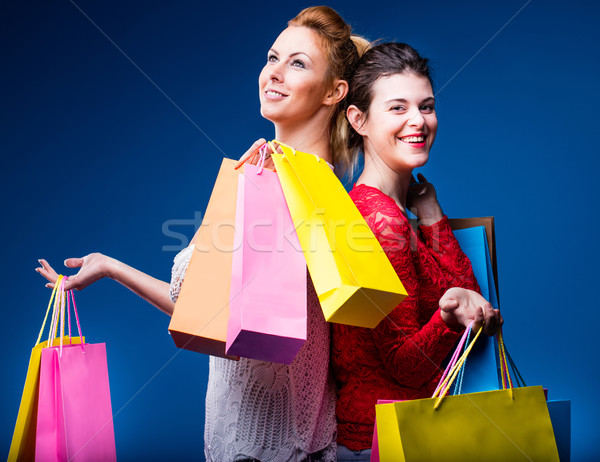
[154, 291]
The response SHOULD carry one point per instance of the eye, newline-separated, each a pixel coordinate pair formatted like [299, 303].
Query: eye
[397, 108]
[427, 108]
[272, 58]
[298, 63]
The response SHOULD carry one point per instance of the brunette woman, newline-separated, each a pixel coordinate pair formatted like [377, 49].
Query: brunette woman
[391, 108]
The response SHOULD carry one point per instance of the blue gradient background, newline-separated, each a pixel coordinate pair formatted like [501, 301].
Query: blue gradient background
[96, 158]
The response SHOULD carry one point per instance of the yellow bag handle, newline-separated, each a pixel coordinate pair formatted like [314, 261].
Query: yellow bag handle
[59, 300]
[444, 387]
[56, 285]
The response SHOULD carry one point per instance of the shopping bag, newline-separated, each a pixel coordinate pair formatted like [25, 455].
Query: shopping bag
[560, 416]
[511, 424]
[74, 412]
[267, 308]
[22, 447]
[353, 277]
[65, 412]
[375, 446]
[199, 321]
[490, 234]
[482, 373]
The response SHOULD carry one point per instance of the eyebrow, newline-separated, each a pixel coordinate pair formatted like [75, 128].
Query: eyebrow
[296, 53]
[402, 100]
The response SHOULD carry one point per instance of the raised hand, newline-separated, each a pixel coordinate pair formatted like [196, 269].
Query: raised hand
[251, 155]
[461, 306]
[421, 200]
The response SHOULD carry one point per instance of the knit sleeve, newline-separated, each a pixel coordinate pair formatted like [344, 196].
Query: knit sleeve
[180, 265]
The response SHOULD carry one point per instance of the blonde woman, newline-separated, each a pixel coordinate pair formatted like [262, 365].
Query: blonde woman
[258, 410]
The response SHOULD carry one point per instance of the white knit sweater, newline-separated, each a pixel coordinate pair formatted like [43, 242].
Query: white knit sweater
[270, 411]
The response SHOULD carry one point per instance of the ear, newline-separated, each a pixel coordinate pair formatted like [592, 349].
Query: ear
[338, 92]
[356, 118]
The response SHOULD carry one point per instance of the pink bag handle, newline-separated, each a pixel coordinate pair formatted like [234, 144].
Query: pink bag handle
[446, 383]
[76, 318]
[56, 284]
[262, 157]
[454, 358]
[60, 301]
[56, 310]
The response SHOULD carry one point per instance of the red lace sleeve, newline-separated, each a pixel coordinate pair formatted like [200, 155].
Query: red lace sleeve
[443, 246]
[413, 340]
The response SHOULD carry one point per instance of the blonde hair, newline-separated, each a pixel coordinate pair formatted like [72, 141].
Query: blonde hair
[343, 50]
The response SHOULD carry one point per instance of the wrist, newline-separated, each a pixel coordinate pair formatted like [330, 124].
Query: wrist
[429, 214]
[109, 267]
[451, 321]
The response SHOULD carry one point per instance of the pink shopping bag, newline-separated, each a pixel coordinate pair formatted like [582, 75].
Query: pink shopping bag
[73, 415]
[267, 307]
[74, 420]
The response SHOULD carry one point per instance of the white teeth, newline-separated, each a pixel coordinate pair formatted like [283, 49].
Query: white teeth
[413, 139]
[273, 93]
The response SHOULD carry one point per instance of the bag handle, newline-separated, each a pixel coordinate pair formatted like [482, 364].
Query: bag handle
[56, 285]
[60, 300]
[291, 149]
[447, 380]
[455, 357]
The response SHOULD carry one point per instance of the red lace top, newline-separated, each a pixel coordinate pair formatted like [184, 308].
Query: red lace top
[401, 357]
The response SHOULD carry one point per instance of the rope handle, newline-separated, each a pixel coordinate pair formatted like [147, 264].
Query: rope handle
[48, 309]
[60, 301]
[455, 357]
[292, 149]
[445, 384]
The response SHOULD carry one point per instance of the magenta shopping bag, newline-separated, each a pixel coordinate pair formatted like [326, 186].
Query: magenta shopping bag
[72, 415]
[375, 444]
[267, 307]
[74, 421]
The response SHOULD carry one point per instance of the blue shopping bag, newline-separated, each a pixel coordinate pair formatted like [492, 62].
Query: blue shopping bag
[482, 373]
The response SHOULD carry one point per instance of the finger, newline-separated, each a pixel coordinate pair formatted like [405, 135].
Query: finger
[74, 262]
[50, 277]
[47, 268]
[50, 285]
[490, 325]
[478, 318]
[250, 152]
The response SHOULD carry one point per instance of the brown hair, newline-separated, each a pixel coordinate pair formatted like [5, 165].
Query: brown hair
[343, 51]
[381, 60]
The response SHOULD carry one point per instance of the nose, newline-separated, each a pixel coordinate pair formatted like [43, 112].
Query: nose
[276, 72]
[416, 119]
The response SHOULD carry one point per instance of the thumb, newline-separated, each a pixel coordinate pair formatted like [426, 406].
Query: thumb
[448, 304]
[73, 262]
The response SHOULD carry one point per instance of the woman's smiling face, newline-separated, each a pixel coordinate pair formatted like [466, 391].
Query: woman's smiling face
[401, 123]
[293, 84]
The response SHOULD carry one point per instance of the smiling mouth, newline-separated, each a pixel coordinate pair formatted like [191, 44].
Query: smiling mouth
[274, 94]
[413, 139]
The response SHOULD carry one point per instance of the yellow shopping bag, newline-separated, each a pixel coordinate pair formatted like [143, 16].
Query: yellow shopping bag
[22, 447]
[353, 277]
[512, 424]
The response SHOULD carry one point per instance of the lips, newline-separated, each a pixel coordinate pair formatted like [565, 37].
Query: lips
[415, 139]
[274, 94]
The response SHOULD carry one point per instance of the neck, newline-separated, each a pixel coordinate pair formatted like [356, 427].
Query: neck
[378, 174]
[310, 136]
